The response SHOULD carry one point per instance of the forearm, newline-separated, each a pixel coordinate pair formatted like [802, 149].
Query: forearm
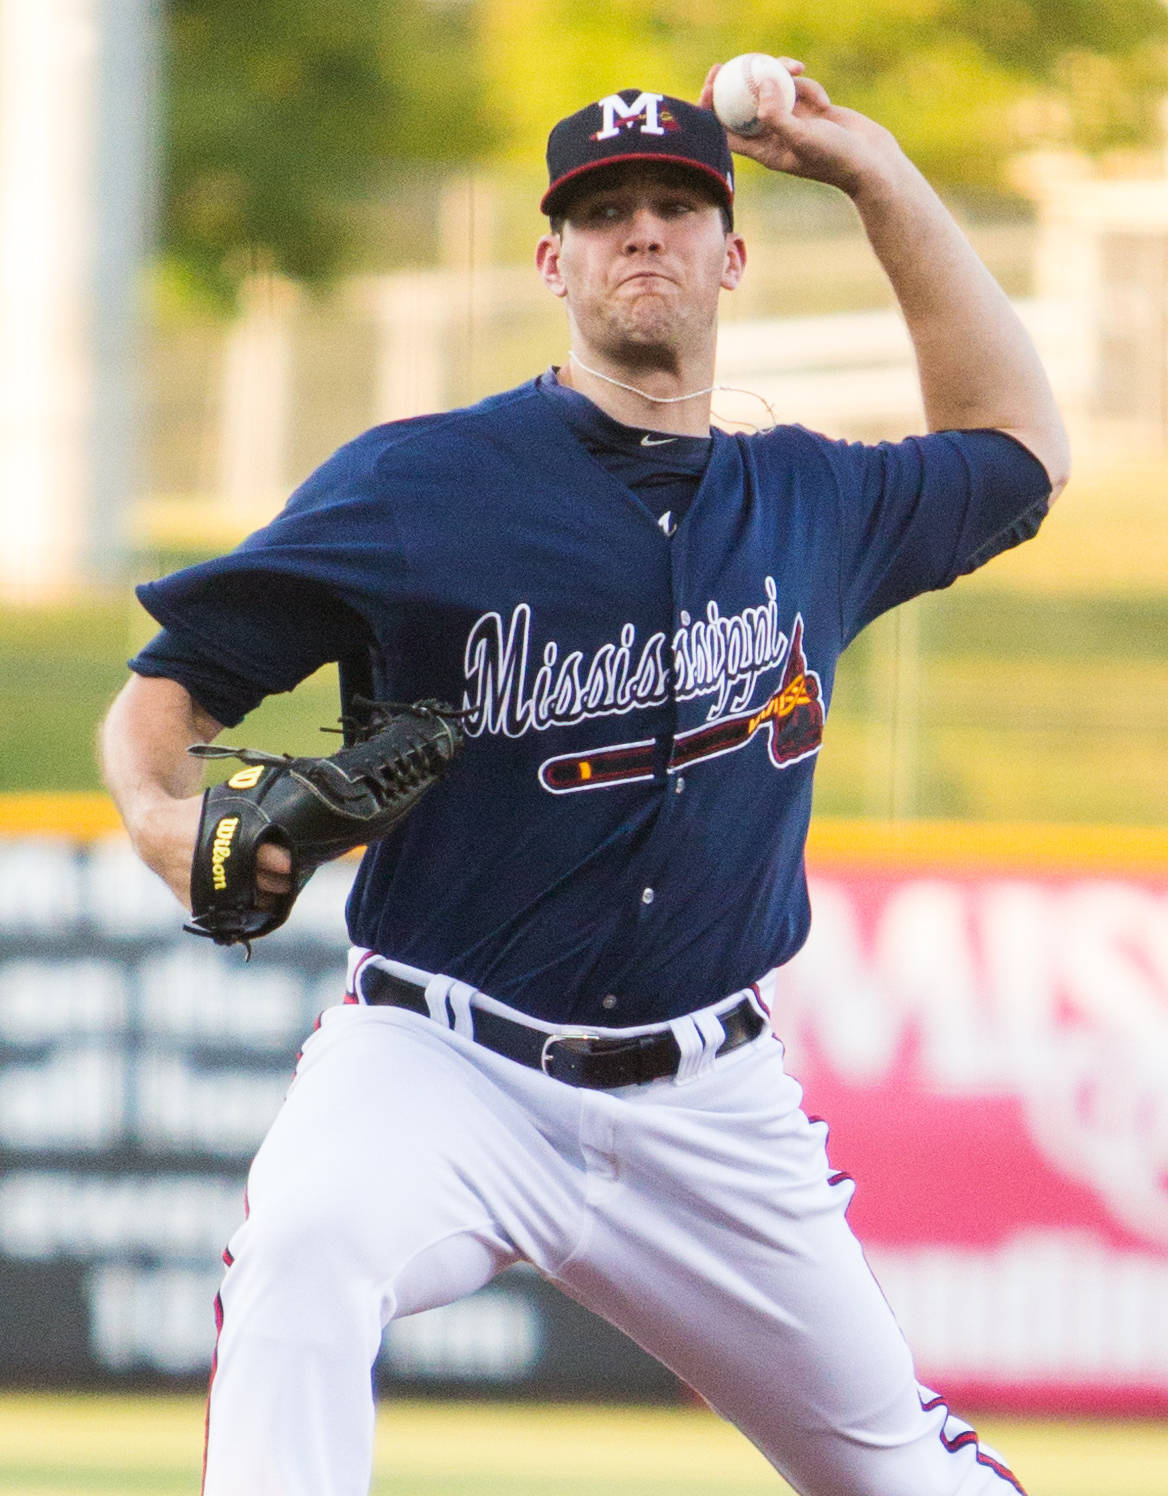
[977, 365]
[155, 783]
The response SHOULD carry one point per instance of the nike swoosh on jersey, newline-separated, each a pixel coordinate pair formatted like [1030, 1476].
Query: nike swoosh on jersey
[656, 441]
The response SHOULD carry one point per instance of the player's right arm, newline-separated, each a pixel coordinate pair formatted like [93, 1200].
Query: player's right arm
[977, 366]
[158, 786]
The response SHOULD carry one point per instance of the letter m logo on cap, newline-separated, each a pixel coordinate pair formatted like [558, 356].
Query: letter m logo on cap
[645, 107]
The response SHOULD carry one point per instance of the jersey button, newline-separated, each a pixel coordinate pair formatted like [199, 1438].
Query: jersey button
[648, 896]
[678, 785]
[608, 1001]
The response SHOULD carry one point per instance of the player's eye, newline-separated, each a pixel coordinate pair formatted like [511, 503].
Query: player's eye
[608, 211]
[601, 212]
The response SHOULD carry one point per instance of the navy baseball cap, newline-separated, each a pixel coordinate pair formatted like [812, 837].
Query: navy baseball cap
[634, 125]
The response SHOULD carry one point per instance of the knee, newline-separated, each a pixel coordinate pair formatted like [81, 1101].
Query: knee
[300, 1262]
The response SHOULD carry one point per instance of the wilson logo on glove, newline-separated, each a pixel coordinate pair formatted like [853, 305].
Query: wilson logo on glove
[316, 808]
[221, 851]
[246, 779]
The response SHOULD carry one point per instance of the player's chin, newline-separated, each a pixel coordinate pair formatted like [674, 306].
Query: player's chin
[647, 355]
[650, 326]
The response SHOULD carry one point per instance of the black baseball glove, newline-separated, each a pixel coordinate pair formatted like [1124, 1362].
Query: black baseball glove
[316, 808]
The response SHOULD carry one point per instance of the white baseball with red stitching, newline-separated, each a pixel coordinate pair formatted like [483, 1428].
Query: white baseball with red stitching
[736, 90]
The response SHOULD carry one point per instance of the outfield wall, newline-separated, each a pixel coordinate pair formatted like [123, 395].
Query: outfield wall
[981, 1014]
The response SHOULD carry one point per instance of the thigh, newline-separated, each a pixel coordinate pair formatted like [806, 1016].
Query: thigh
[723, 1249]
[394, 1159]
[396, 1177]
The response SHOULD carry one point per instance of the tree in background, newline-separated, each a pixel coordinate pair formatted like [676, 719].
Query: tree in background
[281, 116]
[964, 84]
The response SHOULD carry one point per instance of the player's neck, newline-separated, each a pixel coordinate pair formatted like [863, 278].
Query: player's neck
[660, 401]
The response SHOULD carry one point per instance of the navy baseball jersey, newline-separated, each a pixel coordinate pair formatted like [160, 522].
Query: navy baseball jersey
[646, 668]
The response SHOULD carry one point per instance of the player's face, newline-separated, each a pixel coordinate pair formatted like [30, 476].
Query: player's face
[640, 262]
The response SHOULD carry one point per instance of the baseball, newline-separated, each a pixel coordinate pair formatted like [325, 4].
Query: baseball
[736, 90]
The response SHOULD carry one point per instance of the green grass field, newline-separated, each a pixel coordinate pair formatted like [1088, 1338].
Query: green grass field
[118, 1446]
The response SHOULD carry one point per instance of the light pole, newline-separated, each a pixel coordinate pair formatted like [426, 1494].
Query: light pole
[76, 147]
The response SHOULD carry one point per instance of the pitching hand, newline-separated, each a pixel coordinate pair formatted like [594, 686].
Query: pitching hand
[273, 874]
[817, 139]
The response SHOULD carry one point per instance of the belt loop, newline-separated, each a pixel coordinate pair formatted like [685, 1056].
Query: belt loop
[458, 1001]
[356, 960]
[698, 1036]
[691, 1045]
[763, 992]
[712, 1032]
[435, 994]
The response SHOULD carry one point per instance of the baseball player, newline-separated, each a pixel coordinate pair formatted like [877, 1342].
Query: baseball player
[554, 1043]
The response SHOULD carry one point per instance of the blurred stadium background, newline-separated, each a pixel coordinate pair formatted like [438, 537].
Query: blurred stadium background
[233, 236]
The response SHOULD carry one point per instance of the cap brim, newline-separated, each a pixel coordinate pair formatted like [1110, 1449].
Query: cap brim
[561, 189]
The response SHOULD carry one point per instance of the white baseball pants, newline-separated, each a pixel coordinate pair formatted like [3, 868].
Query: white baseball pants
[409, 1165]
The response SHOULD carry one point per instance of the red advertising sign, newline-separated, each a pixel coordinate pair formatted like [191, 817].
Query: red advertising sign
[991, 1053]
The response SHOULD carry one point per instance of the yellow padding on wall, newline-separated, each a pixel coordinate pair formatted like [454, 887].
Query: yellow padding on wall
[952, 845]
[63, 813]
[973, 845]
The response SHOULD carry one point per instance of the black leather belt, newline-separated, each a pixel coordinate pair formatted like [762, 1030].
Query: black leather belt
[598, 1062]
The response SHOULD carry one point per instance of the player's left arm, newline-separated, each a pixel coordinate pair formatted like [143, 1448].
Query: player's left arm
[977, 365]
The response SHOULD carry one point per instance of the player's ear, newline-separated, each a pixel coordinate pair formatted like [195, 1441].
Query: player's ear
[547, 262]
[735, 263]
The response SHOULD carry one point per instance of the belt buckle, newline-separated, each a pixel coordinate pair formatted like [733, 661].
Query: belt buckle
[576, 1044]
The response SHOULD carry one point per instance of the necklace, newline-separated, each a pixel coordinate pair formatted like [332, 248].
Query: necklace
[632, 388]
[725, 389]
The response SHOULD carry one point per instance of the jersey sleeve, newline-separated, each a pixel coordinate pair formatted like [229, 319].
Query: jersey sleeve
[292, 597]
[917, 514]
[227, 696]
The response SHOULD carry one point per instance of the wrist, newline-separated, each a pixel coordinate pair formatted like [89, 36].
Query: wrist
[884, 180]
[163, 831]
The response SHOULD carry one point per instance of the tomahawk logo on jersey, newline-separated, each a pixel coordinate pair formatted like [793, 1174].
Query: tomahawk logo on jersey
[794, 714]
